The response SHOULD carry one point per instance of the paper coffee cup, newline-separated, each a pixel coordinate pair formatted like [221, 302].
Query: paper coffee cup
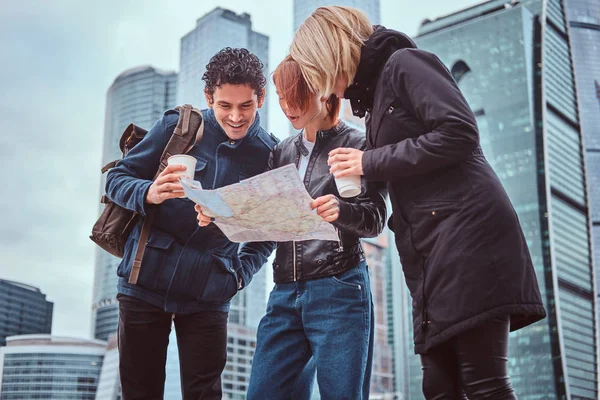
[184, 159]
[348, 186]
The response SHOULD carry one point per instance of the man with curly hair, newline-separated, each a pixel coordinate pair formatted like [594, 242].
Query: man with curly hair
[189, 272]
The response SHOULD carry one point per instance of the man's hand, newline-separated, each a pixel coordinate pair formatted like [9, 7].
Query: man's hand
[203, 219]
[345, 162]
[328, 207]
[166, 186]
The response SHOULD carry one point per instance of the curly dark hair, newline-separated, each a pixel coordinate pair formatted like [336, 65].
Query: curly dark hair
[237, 67]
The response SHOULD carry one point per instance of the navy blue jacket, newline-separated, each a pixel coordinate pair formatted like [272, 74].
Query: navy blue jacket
[187, 268]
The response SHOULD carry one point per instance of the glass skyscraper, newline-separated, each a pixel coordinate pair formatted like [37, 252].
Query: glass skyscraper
[140, 96]
[109, 387]
[25, 310]
[583, 17]
[382, 375]
[512, 61]
[50, 367]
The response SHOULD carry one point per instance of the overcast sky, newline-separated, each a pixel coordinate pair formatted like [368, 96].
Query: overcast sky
[58, 59]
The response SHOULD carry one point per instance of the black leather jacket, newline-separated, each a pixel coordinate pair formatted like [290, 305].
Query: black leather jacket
[360, 217]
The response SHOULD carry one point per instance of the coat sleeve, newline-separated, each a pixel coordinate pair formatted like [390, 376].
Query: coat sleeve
[127, 184]
[364, 216]
[425, 87]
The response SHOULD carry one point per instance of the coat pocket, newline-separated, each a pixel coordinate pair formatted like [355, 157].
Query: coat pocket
[156, 256]
[220, 281]
[431, 220]
[200, 173]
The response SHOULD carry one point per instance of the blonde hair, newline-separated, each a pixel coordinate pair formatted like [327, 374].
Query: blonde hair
[327, 46]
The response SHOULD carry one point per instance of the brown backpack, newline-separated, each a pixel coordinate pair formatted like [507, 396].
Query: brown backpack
[114, 225]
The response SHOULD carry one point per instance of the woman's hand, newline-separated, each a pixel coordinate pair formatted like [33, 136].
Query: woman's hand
[328, 207]
[203, 219]
[345, 162]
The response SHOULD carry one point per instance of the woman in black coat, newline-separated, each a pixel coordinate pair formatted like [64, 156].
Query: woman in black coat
[463, 253]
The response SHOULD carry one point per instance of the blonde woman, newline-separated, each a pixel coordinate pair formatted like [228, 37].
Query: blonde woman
[463, 253]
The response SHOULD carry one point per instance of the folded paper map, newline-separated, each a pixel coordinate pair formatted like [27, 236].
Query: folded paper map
[271, 206]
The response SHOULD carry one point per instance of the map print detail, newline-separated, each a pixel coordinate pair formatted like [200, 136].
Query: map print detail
[273, 206]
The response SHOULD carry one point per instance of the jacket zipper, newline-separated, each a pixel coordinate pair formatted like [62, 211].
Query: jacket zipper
[424, 315]
[299, 157]
[340, 244]
[294, 261]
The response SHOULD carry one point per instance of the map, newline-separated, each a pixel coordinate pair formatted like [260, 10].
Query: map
[272, 206]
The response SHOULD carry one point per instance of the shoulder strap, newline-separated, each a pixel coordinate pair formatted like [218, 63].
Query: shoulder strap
[188, 132]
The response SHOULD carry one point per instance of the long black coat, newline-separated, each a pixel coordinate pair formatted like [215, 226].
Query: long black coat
[462, 249]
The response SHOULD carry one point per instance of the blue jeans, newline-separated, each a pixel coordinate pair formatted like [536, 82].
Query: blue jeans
[330, 320]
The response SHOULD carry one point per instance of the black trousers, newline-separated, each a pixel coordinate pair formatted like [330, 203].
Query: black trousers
[143, 338]
[472, 365]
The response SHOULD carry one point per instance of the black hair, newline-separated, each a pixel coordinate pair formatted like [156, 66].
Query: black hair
[236, 67]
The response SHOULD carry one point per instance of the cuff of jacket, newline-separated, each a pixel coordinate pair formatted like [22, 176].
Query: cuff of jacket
[369, 166]
[243, 279]
[345, 220]
[140, 203]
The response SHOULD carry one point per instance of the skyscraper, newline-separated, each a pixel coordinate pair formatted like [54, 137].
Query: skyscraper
[50, 367]
[382, 375]
[513, 63]
[214, 31]
[139, 95]
[25, 310]
[583, 17]
[406, 365]
[109, 387]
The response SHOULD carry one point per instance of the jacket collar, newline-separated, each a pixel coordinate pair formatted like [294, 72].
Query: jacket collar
[374, 54]
[340, 127]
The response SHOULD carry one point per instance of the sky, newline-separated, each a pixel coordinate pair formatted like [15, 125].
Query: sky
[58, 58]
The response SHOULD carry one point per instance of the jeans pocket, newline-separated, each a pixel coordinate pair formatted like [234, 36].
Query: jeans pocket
[353, 278]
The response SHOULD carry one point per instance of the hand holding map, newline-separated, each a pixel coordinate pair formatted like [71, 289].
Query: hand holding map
[273, 206]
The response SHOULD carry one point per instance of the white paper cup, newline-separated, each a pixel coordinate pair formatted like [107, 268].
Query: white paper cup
[184, 159]
[348, 186]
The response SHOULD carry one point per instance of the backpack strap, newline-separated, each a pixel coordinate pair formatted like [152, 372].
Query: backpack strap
[108, 166]
[187, 134]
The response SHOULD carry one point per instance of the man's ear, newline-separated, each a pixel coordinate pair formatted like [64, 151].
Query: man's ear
[261, 97]
[209, 99]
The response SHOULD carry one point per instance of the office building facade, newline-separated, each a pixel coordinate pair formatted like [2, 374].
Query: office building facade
[24, 310]
[50, 367]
